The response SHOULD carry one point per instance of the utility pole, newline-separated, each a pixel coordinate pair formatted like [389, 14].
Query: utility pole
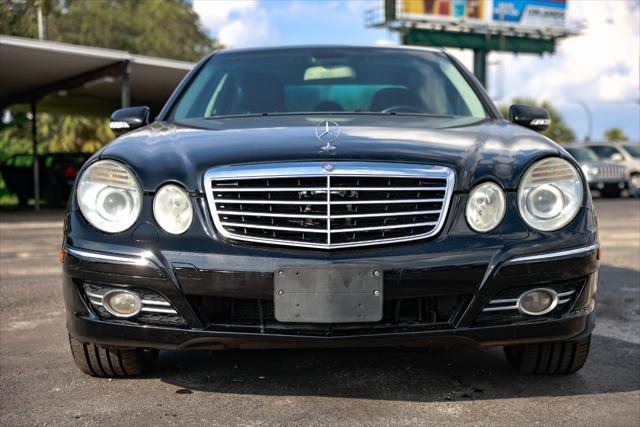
[589, 118]
[41, 24]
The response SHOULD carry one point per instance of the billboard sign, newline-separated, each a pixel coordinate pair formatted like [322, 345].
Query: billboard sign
[529, 14]
[474, 9]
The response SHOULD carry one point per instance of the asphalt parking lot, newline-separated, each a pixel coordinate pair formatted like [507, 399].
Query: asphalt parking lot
[40, 385]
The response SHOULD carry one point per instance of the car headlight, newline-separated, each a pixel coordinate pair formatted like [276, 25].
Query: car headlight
[172, 209]
[550, 194]
[486, 207]
[109, 196]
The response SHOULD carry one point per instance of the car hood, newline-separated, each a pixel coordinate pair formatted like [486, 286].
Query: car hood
[475, 149]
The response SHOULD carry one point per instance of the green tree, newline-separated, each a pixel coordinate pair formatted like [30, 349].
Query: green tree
[558, 131]
[15, 135]
[164, 28]
[19, 17]
[615, 135]
[54, 134]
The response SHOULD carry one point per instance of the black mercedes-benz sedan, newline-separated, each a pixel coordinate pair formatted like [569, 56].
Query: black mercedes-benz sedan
[329, 196]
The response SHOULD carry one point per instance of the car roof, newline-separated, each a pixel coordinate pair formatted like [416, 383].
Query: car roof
[591, 143]
[293, 48]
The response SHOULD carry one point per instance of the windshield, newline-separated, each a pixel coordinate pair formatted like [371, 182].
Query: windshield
[583, 154]
[633, 150]
[605, 152]
[328, 80]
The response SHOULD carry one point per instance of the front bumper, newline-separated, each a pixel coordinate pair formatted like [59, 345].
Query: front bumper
[116, 335]
[597, 183]
[182, 285]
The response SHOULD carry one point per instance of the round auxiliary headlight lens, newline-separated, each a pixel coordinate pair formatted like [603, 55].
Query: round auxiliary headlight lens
[550, 194]
[538, 301]
[109, 196]
[486, 207]
[172, 209]
[122, 303]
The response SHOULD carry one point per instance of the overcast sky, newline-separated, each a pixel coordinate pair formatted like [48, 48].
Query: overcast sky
[600, 67]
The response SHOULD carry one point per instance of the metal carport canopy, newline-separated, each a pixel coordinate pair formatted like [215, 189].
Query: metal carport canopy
[71, 79]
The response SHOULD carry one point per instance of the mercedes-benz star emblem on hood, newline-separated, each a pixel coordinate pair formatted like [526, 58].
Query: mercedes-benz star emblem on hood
[327, 132]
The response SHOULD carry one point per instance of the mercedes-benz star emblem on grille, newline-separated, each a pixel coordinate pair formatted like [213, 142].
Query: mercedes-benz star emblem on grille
[327, 132]
[328, 166]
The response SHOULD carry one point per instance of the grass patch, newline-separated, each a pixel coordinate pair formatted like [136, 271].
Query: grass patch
[7, 198]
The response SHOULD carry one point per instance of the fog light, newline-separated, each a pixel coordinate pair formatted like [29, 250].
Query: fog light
[538, 301]
[122, 303]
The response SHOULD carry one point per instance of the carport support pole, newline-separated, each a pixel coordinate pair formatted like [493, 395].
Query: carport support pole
[36, 161]
[125, 93]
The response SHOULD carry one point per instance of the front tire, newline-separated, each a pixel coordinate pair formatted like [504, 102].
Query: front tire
[99, 361]
[634, 185]
[561, 357]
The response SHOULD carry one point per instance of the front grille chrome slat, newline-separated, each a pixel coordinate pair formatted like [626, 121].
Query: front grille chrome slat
[374, 202]
[274, 227]
[315, 202]
[270, 214]
[383, 227]
[270, 202]
[269, 189]
[293, 189]
[388, 214]
[391, 188]
[302, 205]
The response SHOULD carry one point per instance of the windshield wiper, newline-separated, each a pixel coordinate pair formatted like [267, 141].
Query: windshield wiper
[333, 113]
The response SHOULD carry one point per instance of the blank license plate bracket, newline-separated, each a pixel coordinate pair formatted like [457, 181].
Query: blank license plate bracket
[332, 294]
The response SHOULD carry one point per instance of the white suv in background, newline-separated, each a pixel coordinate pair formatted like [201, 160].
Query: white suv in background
[627, 155]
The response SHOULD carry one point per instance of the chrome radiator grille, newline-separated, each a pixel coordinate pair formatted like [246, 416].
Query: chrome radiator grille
[610, 172]
[329, 205]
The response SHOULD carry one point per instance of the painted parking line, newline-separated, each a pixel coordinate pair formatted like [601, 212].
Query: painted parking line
[31, 225]
[624, 331]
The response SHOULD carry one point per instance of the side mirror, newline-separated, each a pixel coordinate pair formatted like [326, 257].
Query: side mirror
[127, 119]
[530, 117]
[617, 157]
